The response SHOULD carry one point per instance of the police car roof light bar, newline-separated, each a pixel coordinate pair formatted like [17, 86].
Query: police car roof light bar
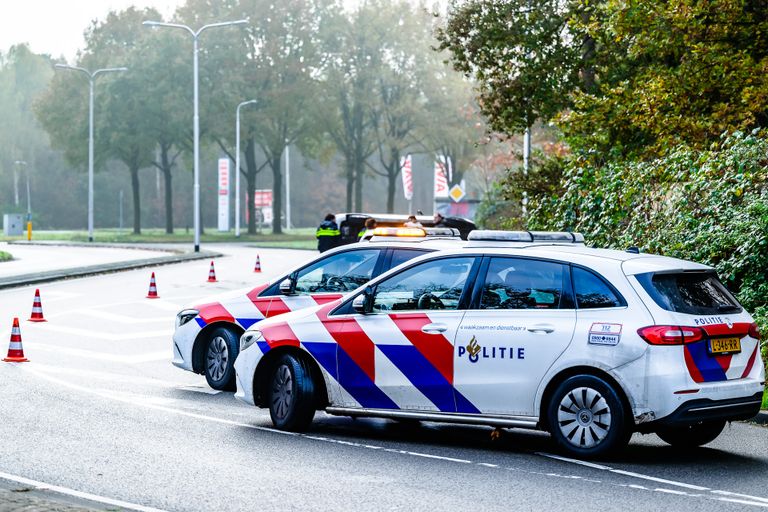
[489, 235]
[400, 232]
[442, 232]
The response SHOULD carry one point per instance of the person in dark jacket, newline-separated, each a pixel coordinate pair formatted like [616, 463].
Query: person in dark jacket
[328, 234]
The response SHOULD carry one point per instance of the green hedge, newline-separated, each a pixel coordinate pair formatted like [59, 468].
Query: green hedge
[706, 206]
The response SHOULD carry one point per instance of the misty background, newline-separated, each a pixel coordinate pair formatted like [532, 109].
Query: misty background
[348, 89]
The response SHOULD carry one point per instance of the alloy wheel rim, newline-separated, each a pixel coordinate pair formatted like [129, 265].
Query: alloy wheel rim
[218, 358]
[584, 417]
[282, 391]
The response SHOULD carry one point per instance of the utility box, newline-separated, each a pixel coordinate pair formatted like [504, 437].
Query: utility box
[13, 224]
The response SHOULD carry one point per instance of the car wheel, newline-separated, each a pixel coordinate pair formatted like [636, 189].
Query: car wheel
[291, 394]
[220, 353]
[691, 436]
[587, 418]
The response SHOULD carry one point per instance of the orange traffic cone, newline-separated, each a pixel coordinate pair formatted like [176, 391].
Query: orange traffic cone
[152, 288]
[15, 350]
[212, 274]
[257, 267]
[37, 309]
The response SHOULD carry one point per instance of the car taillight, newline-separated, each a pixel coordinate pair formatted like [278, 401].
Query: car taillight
[753, 332]
[670, 334]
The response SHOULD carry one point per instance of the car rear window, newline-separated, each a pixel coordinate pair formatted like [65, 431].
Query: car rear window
[693, 293]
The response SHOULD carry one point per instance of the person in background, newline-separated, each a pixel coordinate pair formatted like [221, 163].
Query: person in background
[412, 222]
[439, 220]
[328, 234]
[367, 232]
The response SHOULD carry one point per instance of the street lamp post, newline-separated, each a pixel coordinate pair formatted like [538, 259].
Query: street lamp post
[237, 165]
[287, 185]
[91, 80]
[196, 118]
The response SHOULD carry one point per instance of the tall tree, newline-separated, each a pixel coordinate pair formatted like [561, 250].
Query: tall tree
[24, 76]
[123, 130]
[355, 56]
[398, 110]
[276, 60]
[523, 54]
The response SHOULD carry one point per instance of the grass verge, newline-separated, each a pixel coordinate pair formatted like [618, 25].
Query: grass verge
[765, 400]
[301, 236]
[4, 256]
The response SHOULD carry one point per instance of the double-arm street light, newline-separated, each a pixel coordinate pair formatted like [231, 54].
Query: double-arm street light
[195, 36]
[91, 79]
[237, 165]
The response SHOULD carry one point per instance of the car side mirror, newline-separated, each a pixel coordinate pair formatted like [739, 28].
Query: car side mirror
[363, 303]
[286, 286]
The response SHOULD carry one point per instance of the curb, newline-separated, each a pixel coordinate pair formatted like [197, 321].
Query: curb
[159, 247]
[106, 268]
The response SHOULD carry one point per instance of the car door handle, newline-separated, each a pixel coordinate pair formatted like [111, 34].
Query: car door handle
[545, 329]
[434, 328]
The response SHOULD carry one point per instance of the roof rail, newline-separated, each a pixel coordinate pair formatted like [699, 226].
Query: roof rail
[489, 235]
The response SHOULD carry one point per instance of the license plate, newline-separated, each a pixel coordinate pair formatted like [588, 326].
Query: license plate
[725, 346]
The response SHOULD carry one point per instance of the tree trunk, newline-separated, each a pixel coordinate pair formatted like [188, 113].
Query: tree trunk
[167, 166]
[350, 172]
[391, 187]
[250, 184]
[136, 200]
[168, 201]
[277, 193]
[359, 170]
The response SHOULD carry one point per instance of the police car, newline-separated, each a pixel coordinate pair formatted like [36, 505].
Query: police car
[206, 335]
[588, 344]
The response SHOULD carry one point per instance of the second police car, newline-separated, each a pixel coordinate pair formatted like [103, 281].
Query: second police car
[207, 335]
[588, 344]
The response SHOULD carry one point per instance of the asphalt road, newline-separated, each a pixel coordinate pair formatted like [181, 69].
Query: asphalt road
[100, 412]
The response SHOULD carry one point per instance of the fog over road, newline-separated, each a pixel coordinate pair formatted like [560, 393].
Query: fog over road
[100, 410]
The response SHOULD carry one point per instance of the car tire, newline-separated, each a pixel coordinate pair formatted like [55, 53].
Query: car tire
[691, 436]
[291, 394]
[221, 349]
[586, 417]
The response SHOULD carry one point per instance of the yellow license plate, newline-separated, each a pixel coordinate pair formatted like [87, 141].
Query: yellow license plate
[725, 346]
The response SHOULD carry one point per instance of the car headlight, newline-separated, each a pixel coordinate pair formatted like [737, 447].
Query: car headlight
[185, 315]
[249, 338]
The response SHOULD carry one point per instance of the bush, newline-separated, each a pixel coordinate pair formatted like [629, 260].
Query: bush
[4, 256]
[706, 206]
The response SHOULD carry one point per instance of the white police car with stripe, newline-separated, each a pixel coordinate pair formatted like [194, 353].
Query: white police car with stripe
[207, 334]
[588, 344]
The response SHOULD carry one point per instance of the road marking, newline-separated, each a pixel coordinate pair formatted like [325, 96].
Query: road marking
[743, 502]
[102, 356]
[744, 499]
[107, 376]
[77, 494]
[90, 333]
[141, 401]
[196, 389]
[121, 319]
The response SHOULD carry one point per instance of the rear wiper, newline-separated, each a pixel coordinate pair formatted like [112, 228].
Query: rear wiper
[727, 307]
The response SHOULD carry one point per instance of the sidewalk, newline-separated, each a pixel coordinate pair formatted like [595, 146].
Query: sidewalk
[40, 262]
[21, 499]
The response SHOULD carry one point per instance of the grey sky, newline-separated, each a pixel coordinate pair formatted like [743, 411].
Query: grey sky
[56, 26]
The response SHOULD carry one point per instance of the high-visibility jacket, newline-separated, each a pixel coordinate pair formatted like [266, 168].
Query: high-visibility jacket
[328, 235]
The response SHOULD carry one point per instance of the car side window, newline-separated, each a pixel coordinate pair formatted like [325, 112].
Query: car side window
[400, 256]
[518, 283]
[434, 284]
[592, 291]
[338, 273]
